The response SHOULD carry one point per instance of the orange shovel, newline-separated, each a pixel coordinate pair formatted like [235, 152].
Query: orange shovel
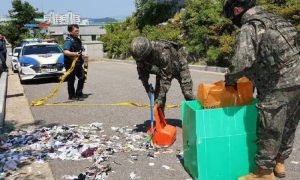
[163, 134]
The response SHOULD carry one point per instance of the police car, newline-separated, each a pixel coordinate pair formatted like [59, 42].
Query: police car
[41, 60]
[15, 58]
[30, 41]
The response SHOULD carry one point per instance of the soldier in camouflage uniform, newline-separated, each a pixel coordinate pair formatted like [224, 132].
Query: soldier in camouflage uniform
[164, 59]
[267, 51]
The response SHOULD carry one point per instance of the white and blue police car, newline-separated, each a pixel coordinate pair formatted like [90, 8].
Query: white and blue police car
[15, 58]
[41, 60]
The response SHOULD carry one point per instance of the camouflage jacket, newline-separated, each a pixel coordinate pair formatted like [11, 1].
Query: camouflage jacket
[164, 62]
[266, 51]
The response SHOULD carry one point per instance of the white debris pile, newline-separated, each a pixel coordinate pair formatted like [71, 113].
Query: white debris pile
[134, 176]
[131, 140]
[70, 142]
[59, 142]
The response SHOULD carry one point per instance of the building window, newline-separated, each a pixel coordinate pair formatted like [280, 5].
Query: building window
[94, 38]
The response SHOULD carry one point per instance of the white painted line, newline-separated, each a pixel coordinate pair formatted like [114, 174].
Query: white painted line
[113, 62]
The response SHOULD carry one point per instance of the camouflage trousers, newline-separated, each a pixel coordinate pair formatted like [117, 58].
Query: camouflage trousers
[279, 114]
[185, 81]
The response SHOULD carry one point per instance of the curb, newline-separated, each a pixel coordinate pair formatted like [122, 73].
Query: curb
[14, 105]
[209, 68]
[3, 90]
[196, 67]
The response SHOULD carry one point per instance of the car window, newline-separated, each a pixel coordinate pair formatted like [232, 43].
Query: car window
[17, 51]
[41, 49]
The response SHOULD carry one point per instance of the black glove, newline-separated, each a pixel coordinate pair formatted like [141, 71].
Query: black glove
[230, 82]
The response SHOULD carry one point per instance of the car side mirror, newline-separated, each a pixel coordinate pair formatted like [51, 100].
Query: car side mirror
[16, 54]
[10, 54]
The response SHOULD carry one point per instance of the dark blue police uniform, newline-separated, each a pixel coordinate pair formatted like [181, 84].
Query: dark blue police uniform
[74, 44]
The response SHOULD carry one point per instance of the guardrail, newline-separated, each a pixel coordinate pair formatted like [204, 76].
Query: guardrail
[3, 90]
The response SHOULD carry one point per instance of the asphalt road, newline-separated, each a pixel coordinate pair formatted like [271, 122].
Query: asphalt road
[110, 82]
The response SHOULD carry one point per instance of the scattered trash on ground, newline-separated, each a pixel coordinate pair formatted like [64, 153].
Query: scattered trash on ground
[167, 167]
[295, 162]
[68, 177]
[134, 176]
[151, 164]
[73, 142]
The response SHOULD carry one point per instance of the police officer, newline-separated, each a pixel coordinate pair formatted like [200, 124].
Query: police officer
[267, 52]
[72, 48]
[163, 59]
[3, 51]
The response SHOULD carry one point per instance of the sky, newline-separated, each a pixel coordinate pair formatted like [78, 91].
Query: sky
[85, 8]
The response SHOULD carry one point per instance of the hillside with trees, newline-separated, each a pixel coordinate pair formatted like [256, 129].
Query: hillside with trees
[207, 37]
[21, 13]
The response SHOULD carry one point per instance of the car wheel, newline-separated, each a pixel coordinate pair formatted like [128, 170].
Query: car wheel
[15, 69]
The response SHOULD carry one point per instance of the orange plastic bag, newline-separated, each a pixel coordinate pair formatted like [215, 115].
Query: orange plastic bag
[218, 95]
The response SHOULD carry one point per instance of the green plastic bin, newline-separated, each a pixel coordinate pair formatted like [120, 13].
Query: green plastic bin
[219, 144]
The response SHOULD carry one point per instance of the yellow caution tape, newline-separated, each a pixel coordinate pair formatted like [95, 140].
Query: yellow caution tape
[42, 101]
[85, 68]
[132, 104]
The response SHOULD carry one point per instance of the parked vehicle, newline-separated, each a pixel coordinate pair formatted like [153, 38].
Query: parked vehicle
[29, 41]
[41, 60]
[15, 58]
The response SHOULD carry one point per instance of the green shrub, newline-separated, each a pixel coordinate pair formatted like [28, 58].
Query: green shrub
[207, 36]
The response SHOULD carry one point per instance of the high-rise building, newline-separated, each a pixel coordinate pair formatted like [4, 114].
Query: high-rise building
[62, 19]
[84, 22]
[52, 18]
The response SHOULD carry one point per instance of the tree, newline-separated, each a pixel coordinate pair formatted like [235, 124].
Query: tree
[21, 13]
[208, 35]
[169, 31]
[278, 2]
[289, 9]
[118, 38]
[149, 12]
[139, 3]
